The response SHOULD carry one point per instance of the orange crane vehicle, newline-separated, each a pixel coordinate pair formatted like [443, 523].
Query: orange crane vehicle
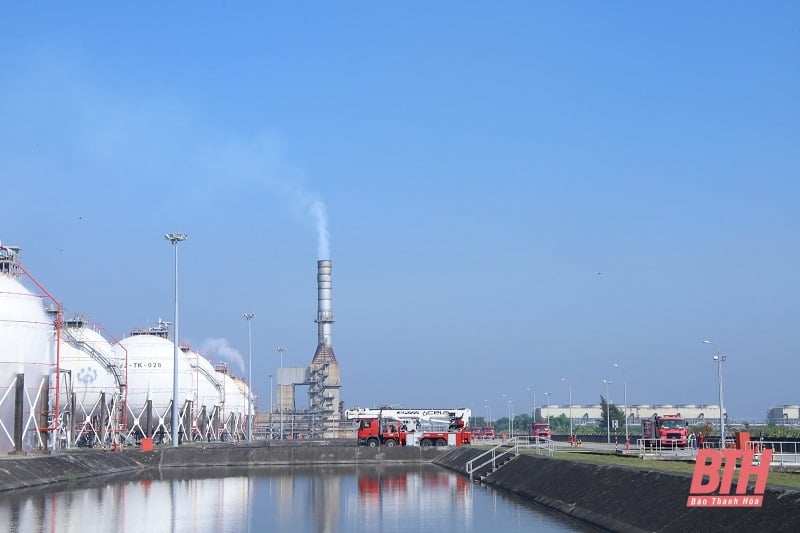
[411, 427]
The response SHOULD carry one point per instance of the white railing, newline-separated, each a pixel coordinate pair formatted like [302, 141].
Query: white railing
[490, 457]
[783, 453]
[655, 447]
[540, 444]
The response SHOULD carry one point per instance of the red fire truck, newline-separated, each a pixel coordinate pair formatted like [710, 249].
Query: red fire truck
[482, 432]
[541, 430]
[411, 427]
[667, 430]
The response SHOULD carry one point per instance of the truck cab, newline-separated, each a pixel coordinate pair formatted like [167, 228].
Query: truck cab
[668, 430]
[381, 432]
[541, 430]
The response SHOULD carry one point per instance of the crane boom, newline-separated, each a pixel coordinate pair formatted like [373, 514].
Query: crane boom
[443, 415]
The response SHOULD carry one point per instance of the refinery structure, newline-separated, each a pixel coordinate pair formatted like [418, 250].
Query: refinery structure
[67, 382]
[326, 410]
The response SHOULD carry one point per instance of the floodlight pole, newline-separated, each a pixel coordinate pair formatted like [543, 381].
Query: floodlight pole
[249, 317]
[175, 238]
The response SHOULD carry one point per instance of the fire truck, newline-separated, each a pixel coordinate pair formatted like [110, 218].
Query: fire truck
[411, 427]
[483, 432]
[668, 430]
[541, 430]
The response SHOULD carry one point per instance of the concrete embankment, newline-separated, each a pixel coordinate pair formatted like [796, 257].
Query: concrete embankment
[622, 498]
[37, 470]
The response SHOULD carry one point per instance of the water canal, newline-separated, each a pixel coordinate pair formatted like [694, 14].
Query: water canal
[403, 498]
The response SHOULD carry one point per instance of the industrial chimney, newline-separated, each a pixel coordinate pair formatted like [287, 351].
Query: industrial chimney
[324, 353]
[323, 373]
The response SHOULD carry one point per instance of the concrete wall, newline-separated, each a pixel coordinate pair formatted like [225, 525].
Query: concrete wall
[31, 471]
[624, 498]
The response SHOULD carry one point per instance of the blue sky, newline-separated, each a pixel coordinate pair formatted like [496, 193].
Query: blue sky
[514, 193]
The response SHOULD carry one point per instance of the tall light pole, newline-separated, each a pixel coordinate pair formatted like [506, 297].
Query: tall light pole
[281, 349]
[720, 359]
[533, 403]
[570, 404]
[175, 238]
[608, 411]
[249, 317]
[547, 394]
[271, 407]
[510, 419]
[625, 397]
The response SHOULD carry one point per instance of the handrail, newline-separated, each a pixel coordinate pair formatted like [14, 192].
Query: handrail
[512, 446]
[783, 453]
[538, 443]
[95, 354]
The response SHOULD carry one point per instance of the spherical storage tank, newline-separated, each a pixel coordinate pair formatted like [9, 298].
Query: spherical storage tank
[208, 383]
[92, 364]
[150, 373]
[234, 397]
[26, 347]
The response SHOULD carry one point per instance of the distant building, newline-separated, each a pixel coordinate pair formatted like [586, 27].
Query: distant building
[592, 414]
[784, 415]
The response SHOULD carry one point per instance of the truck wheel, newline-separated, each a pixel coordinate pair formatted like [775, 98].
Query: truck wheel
[390, 443]
[441, 442]
[372, 443]
[427, 443]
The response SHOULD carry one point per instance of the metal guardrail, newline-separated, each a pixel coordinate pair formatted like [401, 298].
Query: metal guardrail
[783, 453]
[505, 448]
[512, 447]
[540, 444]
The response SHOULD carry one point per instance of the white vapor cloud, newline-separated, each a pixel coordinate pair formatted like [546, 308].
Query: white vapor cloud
[320, 214]
[220, 348]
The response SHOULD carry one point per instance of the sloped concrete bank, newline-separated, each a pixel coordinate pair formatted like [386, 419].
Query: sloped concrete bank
[38, 470]
[626, 499]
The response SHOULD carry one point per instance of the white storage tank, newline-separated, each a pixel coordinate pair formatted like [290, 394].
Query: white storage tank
[150, 375]
[89, 365]
[208, 385]
[234, 406]
[26, 346]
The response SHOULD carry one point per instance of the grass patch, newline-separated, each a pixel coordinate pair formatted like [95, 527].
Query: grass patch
[776, 479]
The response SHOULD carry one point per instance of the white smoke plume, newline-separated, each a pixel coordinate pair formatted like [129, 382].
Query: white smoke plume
[320, 214]
[220, 348]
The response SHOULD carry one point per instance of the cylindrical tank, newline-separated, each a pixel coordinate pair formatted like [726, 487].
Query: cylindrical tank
[26, 347]
[150, 374]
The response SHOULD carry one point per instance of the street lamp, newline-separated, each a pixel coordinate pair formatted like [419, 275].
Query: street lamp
[510, 418]
[271, 408]
[570, 404]
[533, 404]
[625, 398]
[547, 394]
[249, 317]
[281, 349]
[719, 359]
[175, 238]
[608, 410]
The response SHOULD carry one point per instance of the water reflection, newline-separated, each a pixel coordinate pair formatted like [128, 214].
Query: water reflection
[301, 499]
